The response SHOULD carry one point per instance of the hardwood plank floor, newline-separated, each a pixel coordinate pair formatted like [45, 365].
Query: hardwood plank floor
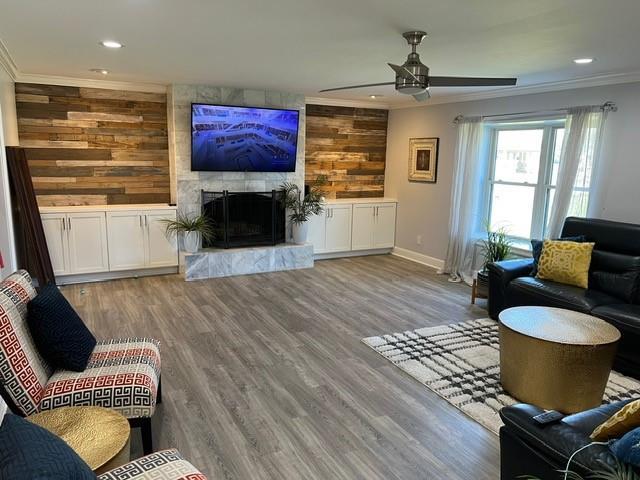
[265, 376]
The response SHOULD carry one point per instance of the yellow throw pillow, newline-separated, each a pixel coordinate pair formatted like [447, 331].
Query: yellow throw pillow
[565, 262]
[626, 419]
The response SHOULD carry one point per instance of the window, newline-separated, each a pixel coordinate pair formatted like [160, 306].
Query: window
[524, 163]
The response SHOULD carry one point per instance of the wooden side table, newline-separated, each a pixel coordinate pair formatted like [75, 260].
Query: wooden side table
[480, 287]
[100, 436]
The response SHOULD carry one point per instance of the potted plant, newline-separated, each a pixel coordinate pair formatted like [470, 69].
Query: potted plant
[496, 247]
[194, 228]
[301, 207]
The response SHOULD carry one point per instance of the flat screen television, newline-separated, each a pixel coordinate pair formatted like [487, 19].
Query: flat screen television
[243, 139]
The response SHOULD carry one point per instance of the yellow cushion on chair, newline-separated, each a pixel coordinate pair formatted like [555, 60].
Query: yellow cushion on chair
[565, 262]
[625, 420]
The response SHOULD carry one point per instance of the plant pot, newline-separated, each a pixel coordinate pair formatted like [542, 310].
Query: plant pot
[300, 231]
[191, 241]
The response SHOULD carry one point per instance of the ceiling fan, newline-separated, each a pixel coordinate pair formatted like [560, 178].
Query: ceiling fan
[412, 77]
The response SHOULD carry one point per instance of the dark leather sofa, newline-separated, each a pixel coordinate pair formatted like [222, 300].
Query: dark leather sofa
[527, 448]
[617, 250]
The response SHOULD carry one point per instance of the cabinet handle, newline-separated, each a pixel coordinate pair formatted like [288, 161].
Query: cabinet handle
[64, 225]
[140, 220]
[146, 221]
[69, 220]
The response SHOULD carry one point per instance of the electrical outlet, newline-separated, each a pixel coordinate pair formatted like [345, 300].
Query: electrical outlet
[419, 239]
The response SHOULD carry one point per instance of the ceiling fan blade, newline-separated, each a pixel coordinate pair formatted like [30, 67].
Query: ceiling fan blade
[357, 86]
[403, 72]
[470, 82]
[422, 97]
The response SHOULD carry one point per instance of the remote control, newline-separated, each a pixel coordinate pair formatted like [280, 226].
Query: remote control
[548, 417]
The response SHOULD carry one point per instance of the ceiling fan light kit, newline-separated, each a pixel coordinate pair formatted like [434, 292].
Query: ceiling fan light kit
[412, 77]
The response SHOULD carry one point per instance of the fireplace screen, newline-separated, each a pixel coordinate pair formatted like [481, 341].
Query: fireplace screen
[245, 219]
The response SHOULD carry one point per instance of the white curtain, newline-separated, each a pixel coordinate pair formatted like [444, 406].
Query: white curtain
[466, 200]
[578, 160]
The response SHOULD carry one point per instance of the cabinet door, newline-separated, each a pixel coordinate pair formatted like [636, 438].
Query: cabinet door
[362, 231]
[338, 237]
[126, 240]
[384, 230]
[162, 251]
[88, 251]
[317, 232]
[55, 231]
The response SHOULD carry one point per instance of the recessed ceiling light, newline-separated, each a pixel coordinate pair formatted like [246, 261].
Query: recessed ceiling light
[111, 44]
[99, 70]
[583, 61]
[375, 96]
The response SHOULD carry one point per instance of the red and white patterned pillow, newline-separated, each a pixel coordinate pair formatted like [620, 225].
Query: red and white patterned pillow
[163, 465]
[23, 372]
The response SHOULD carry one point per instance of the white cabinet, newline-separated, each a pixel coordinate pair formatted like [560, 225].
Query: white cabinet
[358, 226]
[331, 230]
[55, 231]
[338, 234]
[374, 226]
[126, 240]
[384, 226]
[161, 251]
[88, 250]
[137, 240]
[77, 242]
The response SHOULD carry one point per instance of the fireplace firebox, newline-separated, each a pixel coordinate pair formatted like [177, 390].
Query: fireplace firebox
[245, 219]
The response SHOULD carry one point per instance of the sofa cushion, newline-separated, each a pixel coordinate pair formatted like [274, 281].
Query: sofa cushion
[59, 333]
[163, 465]
[622, 315]
[23, 371]
[534, 291]
[121, 374]
[28, 451]
[624, 286]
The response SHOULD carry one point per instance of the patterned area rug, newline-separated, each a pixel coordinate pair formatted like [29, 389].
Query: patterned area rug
[461, 363]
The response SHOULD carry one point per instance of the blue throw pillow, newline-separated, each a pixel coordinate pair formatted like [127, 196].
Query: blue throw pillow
[536, 250]
[62, 338]
[627, 448]
[28, 451]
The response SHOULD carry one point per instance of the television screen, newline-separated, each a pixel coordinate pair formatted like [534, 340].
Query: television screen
[243, 139]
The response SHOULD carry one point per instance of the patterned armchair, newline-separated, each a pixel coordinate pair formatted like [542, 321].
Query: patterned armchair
[122, 374]
[164, 465]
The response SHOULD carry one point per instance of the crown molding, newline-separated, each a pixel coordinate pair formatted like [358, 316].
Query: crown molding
[583, 82]
[335, 102]
[7, 62]
[90, 83]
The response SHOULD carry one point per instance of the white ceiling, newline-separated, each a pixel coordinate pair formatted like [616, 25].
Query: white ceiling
[307, 45]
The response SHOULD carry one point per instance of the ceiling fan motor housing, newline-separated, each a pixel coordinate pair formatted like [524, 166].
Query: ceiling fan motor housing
[410, 86]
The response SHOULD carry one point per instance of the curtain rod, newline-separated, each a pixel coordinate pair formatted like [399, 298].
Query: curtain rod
[605, 107]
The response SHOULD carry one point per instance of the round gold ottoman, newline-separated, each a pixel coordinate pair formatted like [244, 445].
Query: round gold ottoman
[98, 435]
[556, 359]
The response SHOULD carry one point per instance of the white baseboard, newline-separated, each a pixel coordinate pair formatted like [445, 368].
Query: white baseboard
[352, 253]
[103, 276]
[418, 257]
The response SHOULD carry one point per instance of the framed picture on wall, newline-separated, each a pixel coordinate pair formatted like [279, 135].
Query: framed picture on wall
[423, 159]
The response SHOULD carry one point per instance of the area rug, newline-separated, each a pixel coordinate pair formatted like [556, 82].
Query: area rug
[461, 363]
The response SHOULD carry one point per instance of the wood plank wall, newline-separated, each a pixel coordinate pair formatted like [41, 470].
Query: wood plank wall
[90, 146]
[349, 146]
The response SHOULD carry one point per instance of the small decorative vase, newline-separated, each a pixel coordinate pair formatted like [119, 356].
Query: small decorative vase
[191, 241]
[300, 231]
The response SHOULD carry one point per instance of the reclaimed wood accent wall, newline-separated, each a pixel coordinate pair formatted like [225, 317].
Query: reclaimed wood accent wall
[349, 146]
[91, 146]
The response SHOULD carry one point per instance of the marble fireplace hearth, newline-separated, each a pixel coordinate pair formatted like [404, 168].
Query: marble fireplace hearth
[216, 263]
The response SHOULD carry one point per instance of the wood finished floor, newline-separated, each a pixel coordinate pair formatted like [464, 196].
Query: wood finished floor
[265, 376]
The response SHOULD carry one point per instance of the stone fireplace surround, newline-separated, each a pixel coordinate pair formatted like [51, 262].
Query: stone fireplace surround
[186, 186]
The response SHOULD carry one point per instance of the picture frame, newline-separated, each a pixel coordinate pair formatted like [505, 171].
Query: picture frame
[423, 159]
